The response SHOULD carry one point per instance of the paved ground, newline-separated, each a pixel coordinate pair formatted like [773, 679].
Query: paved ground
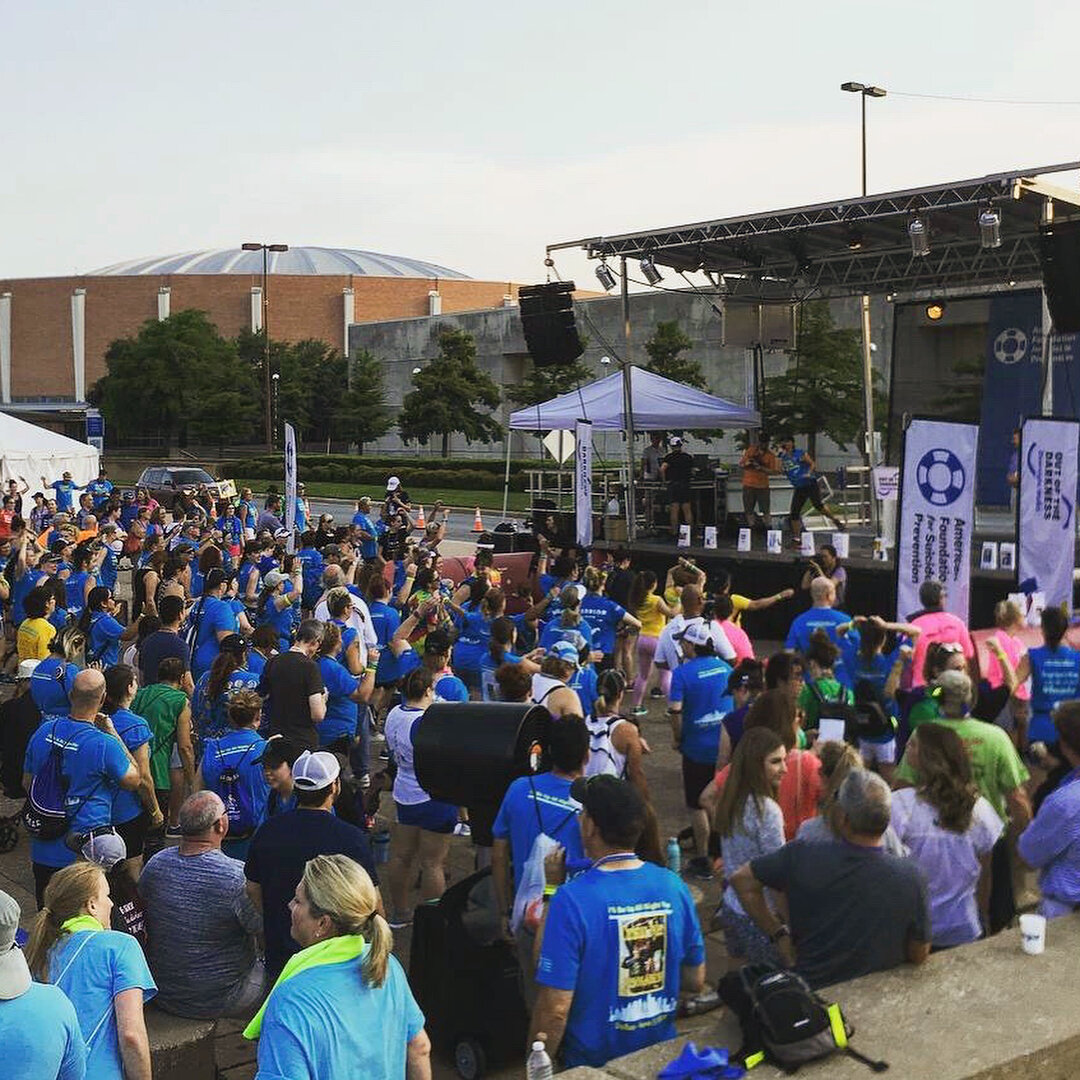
[666, 787]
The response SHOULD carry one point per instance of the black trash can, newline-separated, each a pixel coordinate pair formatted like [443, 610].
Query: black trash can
[469, 752]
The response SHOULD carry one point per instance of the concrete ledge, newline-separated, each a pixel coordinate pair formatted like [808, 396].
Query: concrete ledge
[984, 1011]
[181, 1049]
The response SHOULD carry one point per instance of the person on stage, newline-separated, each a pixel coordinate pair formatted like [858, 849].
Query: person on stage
[757, 462]
[676, 469]
[800, 469]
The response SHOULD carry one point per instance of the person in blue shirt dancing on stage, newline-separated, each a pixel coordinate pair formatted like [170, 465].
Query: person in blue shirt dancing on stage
[799, 467]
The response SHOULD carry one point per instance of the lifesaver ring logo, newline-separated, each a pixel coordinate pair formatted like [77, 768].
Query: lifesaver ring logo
[940, 476]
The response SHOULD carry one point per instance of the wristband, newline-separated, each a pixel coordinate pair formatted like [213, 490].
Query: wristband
[550, 891]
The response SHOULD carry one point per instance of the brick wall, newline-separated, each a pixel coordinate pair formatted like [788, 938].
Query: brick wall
[301, 307]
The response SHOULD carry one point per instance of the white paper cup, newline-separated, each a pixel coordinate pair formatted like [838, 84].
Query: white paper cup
[1033, 934]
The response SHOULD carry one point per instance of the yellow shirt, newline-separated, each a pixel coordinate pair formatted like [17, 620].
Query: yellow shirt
[652, 618]
[33, 638]
[739, 604]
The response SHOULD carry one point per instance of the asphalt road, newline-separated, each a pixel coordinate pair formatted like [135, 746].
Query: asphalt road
[459, 528]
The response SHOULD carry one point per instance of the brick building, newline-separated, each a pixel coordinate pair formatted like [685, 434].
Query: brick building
[54, 331]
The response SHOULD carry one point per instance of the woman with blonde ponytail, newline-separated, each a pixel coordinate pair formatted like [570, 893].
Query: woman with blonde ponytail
[342, 1005]
[102, 971]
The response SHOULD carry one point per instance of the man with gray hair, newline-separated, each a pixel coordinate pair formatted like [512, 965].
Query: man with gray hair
[853, 907]
[359, 619]
[294, 686]
[203, 932]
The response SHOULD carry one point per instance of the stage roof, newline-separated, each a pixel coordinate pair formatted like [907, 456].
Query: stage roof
[861, 245]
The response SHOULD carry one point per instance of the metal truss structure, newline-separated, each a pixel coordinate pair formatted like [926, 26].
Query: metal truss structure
[860, 246]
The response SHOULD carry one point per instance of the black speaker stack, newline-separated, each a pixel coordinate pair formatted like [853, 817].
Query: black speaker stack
[547, 321]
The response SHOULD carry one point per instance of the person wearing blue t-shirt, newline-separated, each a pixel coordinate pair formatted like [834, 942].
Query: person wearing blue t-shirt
[344, 691]
[344, 1007]
[279, 600]
[239, 749]
[231, 529]
[697, 702]
[39, 1031]
[94, 763]
[109, 573]
[822, 616]
[229, 673]
[215, 621]
[535, 804]
[620, 941]
[100, 489]
[603, 615]
[103, 633]
[65, 488]
[311, 569]
[367, 532]
[569, 625]
[1054, 669]
[103, 972]
[473, 623]
[800, 469]
[51, 682]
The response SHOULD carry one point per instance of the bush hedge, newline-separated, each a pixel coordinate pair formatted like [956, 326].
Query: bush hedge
[453, 474]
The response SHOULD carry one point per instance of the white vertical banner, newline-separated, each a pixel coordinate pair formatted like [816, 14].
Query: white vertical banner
[256, 308]
[78, 341]
[1047, 523]
[348, 315]
[583, 481]
[937, 514]
[5, 347]
[290, 486]
[164, 303]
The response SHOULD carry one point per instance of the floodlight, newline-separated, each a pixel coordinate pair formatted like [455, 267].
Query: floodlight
[990, 227]
[919, 236]
[605, 277]
[648, 268]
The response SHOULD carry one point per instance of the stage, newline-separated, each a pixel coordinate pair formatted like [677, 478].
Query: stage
[871, 587]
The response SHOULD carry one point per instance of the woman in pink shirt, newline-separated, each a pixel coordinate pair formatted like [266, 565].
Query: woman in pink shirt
[739, 638]
[994, 695]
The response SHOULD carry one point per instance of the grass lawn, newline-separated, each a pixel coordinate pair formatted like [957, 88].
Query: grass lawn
[486, 500]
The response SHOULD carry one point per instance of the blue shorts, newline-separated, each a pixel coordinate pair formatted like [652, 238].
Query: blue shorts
[433, 815]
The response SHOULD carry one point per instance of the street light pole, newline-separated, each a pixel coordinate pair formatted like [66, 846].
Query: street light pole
[865, 92]
[268, 418]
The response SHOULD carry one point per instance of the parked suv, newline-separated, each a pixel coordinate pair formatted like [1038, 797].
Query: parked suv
[166, 482]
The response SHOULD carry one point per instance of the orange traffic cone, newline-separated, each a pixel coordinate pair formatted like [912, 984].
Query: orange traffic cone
[478, 524]
[420, 522]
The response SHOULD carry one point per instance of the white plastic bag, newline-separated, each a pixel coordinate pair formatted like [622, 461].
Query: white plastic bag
[529, 897]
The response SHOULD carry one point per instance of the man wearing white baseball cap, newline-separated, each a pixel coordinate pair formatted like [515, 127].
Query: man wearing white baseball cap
[697, 702]
[39, 1031]
[283, 844]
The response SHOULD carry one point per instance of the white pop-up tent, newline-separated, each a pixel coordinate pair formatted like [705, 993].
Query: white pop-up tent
[657, 405]
[29, 451]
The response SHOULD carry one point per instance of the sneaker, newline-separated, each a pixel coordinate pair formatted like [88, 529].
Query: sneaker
[698, 867]
[656, 693]
[463, 828]
[640, 710]
[364, 781]
[384, 754]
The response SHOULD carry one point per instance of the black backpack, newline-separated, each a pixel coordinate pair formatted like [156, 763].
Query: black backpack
[785, 1021]
[838, 708]
[45, 812]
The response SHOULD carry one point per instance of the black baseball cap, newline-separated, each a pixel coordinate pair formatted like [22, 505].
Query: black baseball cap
[615, 806]
[279, 751]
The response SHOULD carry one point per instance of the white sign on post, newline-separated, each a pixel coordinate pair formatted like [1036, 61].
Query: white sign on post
[710, 536]
[559, 444]
[583, 482]
[774, 542]
[744, 540]
[684, 536]
[937, 513]
[988, 559]
[806, 543]
[842, 542]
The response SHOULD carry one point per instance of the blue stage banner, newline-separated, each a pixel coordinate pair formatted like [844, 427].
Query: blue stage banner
[1012, 387]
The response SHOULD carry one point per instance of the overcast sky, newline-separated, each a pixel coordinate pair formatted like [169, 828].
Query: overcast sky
[472, 133]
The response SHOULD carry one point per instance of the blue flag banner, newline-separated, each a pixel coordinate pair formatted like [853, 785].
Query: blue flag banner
[1012, 386]
[1048, 467]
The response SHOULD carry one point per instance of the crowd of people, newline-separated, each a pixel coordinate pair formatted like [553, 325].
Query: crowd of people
[205, 752]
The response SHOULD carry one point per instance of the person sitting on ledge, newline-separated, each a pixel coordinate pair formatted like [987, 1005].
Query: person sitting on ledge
[854, 908]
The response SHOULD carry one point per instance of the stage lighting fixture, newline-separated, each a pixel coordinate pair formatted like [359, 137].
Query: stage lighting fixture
[854, 240]
[990, 227]
[605, 277]
[920, 241]
[648, 268]
[935, 312]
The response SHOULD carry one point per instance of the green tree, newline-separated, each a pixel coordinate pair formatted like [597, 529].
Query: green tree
[170, 377]
[361, 412]
[665, 348]
[822, 390]
[450, 393]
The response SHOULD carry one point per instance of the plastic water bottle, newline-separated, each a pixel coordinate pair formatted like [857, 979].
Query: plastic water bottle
[674, 855]
[538, 1067]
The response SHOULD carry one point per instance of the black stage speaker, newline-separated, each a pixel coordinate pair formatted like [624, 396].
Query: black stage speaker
[1059, 252]
[547, 321]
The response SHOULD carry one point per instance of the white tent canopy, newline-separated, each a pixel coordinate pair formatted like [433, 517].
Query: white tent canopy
[32, 452]
[657, 403]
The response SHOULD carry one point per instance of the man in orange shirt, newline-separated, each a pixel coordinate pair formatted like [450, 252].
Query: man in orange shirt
[757, 462]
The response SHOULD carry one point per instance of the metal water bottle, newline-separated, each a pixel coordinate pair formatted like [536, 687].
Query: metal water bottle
[674, 855]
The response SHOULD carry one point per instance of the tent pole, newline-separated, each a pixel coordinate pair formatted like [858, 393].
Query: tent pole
[506, 478]
[628, 409]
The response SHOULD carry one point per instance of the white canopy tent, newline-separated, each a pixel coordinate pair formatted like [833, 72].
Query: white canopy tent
[658, 404]
[32, 452]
